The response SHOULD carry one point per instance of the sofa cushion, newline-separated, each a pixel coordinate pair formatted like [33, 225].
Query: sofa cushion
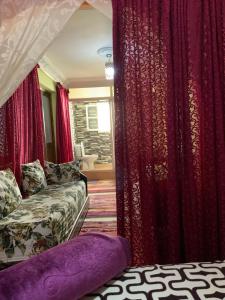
[62, 173]
[33, 177]
[10, 195]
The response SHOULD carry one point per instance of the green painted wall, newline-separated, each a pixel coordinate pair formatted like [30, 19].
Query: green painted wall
[46, 82]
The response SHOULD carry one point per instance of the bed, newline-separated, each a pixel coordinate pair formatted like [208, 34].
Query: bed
[189, 281]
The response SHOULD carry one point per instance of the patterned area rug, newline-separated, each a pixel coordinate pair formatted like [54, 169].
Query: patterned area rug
[101, 216]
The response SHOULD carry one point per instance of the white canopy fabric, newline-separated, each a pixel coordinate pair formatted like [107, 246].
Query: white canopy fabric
[27, 28]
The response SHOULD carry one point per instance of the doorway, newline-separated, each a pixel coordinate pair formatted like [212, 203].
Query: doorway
[93, 128]
[48, 126]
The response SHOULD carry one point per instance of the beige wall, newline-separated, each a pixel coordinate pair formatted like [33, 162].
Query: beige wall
[90, 92]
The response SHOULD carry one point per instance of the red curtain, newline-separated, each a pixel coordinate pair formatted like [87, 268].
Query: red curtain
[63, 130]
[21, 126]
[169, 59]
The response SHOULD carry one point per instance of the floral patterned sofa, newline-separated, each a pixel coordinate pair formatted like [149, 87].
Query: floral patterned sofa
[52, 212]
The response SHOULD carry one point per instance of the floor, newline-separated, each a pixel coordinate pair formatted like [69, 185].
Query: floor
[101, 216]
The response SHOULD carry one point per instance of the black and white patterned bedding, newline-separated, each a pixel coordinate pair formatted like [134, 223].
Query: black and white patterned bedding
[191, 281]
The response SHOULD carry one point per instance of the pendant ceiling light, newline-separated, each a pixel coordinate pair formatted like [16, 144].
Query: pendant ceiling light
[109, 69]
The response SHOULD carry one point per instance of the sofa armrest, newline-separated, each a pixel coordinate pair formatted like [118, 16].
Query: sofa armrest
[84, 178]
[67, 271]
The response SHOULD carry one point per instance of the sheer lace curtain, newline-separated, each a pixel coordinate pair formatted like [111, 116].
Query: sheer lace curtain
[170, 128]
[27, 28]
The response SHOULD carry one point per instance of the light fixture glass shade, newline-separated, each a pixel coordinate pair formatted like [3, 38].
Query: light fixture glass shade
[109, 70]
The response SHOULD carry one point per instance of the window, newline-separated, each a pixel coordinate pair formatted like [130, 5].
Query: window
[98, 117]
[103, 110]
[92, 117]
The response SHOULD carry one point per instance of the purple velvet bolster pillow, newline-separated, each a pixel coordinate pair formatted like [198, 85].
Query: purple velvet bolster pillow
[68, 271]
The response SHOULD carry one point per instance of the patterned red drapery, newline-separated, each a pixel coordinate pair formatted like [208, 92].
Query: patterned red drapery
[169, 59]
[63, 130]
[21, 126]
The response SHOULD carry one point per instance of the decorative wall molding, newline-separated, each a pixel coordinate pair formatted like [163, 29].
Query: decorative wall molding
[87, 82]
[49, 68]
[104, 6]
[85, 5]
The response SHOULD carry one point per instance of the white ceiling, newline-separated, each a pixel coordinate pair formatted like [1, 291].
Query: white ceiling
[73, 54]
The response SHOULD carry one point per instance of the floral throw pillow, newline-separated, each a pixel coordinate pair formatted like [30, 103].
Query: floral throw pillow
[62, 173]
[33, 178]
[10, 195]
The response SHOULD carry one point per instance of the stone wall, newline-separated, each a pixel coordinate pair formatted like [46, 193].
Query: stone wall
[94, 142]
